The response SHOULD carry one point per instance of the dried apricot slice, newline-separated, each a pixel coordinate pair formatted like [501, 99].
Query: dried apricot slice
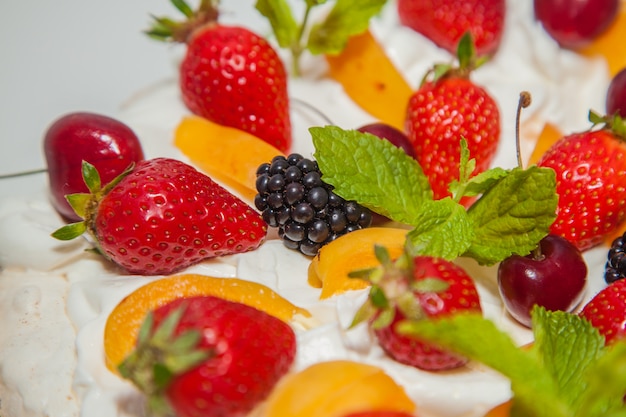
[123, 323]
[610, 44]
[329, 269]
[548, 136]
[229, 155]
[371, 80]
[334, 389]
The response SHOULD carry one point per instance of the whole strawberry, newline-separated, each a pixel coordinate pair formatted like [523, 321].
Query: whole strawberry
[205, 356]
[161, 216]
[447, 107]
[590, 170]
[606, 311]
[229, 74]
[416, 288]
[445, 21]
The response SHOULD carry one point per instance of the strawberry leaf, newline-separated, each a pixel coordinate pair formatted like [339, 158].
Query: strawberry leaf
[79, 202]
[280, 17]
[513, 215]
[373, 172]
[91, 177]
[70, 231]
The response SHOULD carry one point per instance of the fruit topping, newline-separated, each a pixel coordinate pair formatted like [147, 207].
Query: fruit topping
[335, 389]
[294, 198]
[330, 268]
[446, 107]
[553, 276]
[227, 154]
[606, 311]
[390, 133]
[203, 356]
[106, 143]
[379, 413]
[122, 326]
[609, 42]
[566, 372]
[161, 216]
[616, 95]
[615, 267]
[548, 136]
[445, 21]
[590, 168]
[416, 288]
[575, 23]
[229, 74]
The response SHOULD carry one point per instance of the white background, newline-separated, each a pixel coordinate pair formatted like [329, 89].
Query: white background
[60, 56]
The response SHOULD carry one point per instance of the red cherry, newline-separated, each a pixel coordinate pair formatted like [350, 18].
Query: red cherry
[106, 143]
[616, 95]
[574, 23]
[393, 135]
[555, 279]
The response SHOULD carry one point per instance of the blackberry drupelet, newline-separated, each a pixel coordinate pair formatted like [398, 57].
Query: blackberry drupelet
[615, 268]
[308, 214]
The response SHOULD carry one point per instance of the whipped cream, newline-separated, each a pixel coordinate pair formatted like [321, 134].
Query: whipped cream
[55, 297]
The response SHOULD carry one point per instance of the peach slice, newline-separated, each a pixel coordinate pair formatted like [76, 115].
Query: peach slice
[123, 323]
[610, 44]
[335, 389]
[371, 80]
[355, 250]
[500, 410]
[548, 136]
[228, 155]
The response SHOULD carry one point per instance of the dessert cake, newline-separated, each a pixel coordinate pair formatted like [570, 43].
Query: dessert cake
[55, 297]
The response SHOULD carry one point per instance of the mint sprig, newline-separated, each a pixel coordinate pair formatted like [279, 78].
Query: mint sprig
[513, 214]
[567, 372]
[327, 36]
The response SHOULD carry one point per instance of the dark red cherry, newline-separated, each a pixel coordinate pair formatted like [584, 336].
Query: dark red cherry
[616, 95]
[393, 135]
[555, 279]
[108, 144]
[575, 23]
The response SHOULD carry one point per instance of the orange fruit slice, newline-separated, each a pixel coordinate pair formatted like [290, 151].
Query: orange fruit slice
[122, 326]
[371, 80]
[329, 269]
[500, 410]
[335, 389]
[228, 155]
[611, 44]
[548, 136]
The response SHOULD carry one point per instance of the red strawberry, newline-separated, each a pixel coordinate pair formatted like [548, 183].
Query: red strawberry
[205, 356]
[607, 311]
[417, 288]
[591, 182]
[445, 109]
[380, 413]
[445, 21]
[230, 75]
[163, 216]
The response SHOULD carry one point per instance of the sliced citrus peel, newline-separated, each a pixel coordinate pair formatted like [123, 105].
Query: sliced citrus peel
[329, 269]
[335, 389]
[371, 80]
[228, 155]
[124, 322]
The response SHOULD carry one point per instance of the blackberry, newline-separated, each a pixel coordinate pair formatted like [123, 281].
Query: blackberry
[308, 214]
[615, 268]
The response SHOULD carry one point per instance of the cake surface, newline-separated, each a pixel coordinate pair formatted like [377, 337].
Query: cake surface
[55, 297]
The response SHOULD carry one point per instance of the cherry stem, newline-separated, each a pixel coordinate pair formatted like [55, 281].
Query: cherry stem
[524, 101]
[23, 173]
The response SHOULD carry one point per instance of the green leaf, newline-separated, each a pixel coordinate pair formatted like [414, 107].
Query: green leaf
[477, 184]
[434, 284]
[183, 7]
[70, 231]
[466, 50]
[371, 171]
[442, 229]
[344, 20]
[91, 177]
[280, 16]
[513, 215]
[79, 202]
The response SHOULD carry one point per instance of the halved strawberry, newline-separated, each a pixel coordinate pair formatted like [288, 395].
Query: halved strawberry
[161, 216]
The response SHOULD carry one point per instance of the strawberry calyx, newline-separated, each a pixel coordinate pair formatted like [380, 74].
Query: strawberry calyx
[85, 205]
[615, 123]
[160, 356]
[467, 59]
[167, 29]
[392, 288]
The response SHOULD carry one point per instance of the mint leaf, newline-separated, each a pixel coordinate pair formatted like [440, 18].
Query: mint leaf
[344, 20]
[478, 184]
[281, 19]
[373, 172]
[479, 339]
[442, 229]
[567, 346]
[513, 215]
